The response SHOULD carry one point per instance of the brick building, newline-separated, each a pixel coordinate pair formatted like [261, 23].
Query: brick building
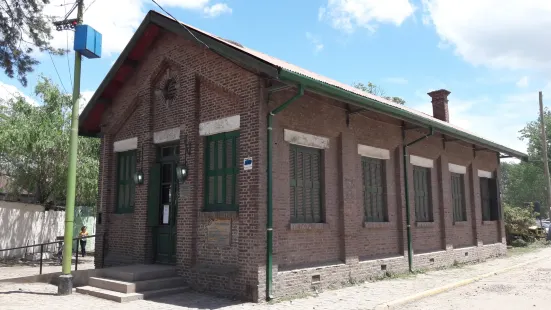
[294, 180]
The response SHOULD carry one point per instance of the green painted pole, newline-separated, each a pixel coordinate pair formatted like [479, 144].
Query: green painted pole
[65, 284]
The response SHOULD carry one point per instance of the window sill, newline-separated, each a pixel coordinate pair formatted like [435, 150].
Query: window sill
[461, 223]
[378, 225]
[309, 226]
[489, 222]
[220, 209]
[425, 224]
[124, 211]
[219, 214]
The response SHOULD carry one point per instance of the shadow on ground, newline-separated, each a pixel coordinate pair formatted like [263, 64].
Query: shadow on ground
[196, 300]
[25, 292]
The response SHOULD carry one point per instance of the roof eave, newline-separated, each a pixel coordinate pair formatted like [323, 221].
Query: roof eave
[114, 69]
[368, 103]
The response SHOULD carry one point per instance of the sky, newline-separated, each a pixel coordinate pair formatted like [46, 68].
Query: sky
[492, 55]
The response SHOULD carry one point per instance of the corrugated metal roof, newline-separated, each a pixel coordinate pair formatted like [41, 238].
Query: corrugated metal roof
[276, 68]
[323, 79]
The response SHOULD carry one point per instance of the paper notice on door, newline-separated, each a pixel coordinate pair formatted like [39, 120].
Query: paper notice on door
[166, 209]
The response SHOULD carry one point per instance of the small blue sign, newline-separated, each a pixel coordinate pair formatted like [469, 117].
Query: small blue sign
[248, 163]
[87, 41]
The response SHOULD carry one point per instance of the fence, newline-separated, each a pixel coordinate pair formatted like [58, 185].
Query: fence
[58, 245]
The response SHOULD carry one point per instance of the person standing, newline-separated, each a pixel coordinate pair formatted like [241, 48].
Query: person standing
[82, 235]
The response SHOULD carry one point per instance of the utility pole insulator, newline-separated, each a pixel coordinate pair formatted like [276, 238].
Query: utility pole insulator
[66, 24]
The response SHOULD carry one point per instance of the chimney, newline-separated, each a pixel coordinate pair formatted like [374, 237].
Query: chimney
[440, 104]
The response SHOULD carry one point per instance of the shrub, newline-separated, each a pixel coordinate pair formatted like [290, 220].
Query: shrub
[518, 221]
[519, 243]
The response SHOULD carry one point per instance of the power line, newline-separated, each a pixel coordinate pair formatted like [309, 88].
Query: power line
[185, 27]
[67, 52]
[60, 80]
[89, 6]
[6, 89]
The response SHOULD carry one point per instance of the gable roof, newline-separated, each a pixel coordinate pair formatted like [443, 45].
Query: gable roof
[263, 64]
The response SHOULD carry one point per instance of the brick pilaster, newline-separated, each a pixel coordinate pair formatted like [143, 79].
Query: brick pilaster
[476, 211]
[444, 201]
[351, 216]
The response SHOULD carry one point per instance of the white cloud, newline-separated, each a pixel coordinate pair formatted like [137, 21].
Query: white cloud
[8, 91]
[85, 96]
[184, 4]
[396, 80]
[523, 82]
[349, 14]
[315, 41]
[495, 33]
[217, 10]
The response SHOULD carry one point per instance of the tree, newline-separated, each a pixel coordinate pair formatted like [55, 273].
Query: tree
[34, 140]
[23, 30]
[524, 182]
[378, 91]
[532, 133]
[517, 223]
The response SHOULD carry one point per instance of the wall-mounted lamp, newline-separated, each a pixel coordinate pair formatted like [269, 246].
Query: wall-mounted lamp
[138, 177]
[181, 173]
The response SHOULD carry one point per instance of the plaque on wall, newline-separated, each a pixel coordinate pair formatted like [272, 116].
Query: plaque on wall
[219, 232]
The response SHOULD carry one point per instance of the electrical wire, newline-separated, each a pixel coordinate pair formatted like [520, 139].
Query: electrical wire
[208, 47]
[89, 6]
[9, 92]
[67, 53]
[60, 80]
[185, 27]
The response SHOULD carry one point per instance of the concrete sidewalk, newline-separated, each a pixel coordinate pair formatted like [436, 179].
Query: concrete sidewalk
[363, 296]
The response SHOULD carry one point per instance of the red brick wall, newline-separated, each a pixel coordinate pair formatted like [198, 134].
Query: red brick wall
[210, 87]
[315, 115]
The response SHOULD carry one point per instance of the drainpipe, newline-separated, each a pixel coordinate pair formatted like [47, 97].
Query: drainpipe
[269, 219]
[406, 188]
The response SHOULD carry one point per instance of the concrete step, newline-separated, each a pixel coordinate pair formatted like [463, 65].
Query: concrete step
[136, 287]
[127, 297]
[135, 273]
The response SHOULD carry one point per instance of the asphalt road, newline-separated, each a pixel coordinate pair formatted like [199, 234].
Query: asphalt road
[525, 288]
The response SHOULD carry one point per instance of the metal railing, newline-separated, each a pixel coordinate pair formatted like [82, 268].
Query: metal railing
[59, 242]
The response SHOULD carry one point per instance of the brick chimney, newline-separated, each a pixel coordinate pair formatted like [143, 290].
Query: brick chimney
[440, 104]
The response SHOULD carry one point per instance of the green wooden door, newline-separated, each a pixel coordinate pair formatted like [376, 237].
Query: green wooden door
[163, 205]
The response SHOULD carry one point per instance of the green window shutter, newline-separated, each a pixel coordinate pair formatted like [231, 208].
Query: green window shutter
[126, 166]
[493, 195]
[485, 198]
[305, 184]
[374, 190]
[153, 195]
[221, 169]
[423, 203]
[458, 197]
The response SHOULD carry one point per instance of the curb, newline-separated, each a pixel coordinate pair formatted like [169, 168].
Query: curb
[435, 291]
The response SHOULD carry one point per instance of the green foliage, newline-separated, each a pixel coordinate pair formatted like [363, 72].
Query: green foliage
[532, 133]
[34, 143]
[524, 182]
[518, 221]
[519, 243]
[24, 29]
[378, 91]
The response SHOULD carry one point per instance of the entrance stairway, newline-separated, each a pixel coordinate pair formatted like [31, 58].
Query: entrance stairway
[129, 283]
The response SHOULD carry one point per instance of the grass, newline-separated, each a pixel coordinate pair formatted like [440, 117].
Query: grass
[531, 247]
